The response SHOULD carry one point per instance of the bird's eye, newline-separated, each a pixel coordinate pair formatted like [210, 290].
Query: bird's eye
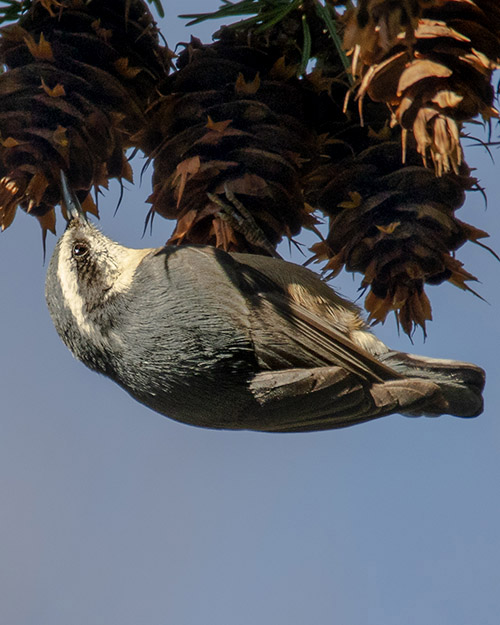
[80, 250]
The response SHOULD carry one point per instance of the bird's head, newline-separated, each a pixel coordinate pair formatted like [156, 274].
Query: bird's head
[86, 271]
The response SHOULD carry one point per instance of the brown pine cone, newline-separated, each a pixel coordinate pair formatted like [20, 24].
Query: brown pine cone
[431, 61]
[80, 76]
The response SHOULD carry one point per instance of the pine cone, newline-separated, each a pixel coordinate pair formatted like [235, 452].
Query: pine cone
[232, 122]
[80, 76]
[391, 218]
[431, 61]
[395, 224]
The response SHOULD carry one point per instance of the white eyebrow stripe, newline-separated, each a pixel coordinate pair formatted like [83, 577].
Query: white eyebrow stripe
[69, 286]
[128, 260]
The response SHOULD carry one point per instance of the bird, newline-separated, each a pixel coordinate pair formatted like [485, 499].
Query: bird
[235, 341]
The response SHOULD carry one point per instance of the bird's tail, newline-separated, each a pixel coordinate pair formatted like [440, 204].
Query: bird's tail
[459, 384]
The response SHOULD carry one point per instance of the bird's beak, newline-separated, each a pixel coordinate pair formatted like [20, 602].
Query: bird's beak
[74, 209]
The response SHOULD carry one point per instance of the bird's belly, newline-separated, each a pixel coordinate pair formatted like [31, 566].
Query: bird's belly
[201, 381]
[202, 398]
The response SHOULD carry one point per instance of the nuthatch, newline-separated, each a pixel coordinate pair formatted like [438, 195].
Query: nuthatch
[236, 341]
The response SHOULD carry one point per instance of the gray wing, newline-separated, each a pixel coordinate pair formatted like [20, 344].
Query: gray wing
[314, 377]
[299, 400]
[298, 321]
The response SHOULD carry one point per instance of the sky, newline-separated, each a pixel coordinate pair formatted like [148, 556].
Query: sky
[111, 513]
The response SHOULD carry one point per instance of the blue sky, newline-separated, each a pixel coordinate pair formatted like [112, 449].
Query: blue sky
[111, 513]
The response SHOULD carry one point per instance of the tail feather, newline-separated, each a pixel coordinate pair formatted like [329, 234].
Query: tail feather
[460, 384]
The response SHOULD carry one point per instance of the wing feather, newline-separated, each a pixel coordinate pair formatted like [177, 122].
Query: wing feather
[300, 321]
[321, 338]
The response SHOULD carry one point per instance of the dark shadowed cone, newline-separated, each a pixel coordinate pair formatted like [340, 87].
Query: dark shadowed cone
[395, 224]
[431, 61]
[231, 124]
[391, 218]
[80, 76]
